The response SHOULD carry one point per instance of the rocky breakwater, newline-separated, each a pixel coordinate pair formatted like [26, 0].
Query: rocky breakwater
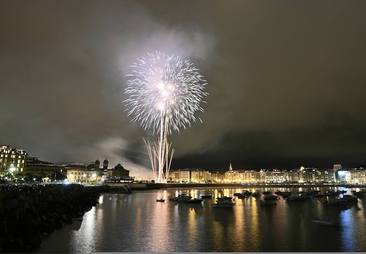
[28, 213]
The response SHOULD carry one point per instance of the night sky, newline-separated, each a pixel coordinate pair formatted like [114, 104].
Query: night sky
[286, 79]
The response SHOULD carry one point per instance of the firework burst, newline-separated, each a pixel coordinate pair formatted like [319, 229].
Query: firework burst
[158, 84]
[164, 92]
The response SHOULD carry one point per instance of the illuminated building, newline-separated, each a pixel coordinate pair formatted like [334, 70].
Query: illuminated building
[11, 158]
[358, 176]
[79, 173]
[118, 174]
[200, 176]
[240, 176]
[231, 176]
[217, 176]
[180, 176]
[352, 176]
[337, 167]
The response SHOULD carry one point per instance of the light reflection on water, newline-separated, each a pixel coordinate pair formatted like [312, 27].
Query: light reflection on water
[137, 222]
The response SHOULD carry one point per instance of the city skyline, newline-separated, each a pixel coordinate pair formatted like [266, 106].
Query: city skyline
[293, 101]
[182, 126]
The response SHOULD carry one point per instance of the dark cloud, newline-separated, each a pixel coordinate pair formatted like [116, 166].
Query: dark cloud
[286, 79]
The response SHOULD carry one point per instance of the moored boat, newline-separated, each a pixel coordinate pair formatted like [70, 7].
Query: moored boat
[224, 202]
[346, 200]
[194, 201]
[181, 198]
[270, 196]
[297, 197]
[256, 194]
[360, 194]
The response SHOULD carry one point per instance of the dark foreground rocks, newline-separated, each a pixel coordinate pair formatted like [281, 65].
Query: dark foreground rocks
[29, 213]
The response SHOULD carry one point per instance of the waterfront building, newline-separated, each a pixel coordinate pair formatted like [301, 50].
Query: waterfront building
[274, 176]
[12, 159]
[241, 176]
[79, 173]
[200, 176]
[36, 167]
[358, 176]
[180, 176]
[117, 174]
[249, 176]
[232, 176]
[217, 176]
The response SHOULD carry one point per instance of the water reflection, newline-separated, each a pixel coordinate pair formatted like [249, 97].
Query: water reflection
[138, 223]
[347, 229]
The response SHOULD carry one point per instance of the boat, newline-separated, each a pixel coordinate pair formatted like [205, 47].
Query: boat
[297, 197]
[256, 194]
[181, 198]
[243, 194]
[160, 200]
[247, 193]
[224, 202]
[360, 194]
[270, 196]
[346, 200]
[269, 200]
[194, 201]
[325, 223]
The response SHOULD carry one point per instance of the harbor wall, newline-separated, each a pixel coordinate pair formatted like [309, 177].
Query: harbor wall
[30, 213]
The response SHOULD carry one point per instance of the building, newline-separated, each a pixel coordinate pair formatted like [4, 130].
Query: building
[36, 167]
[92, 173]
[358, 176]
[200, 176]
[180, 176]
[118, 174]
[241, 176]
[79, 173]
[12, 160]
[231, 176]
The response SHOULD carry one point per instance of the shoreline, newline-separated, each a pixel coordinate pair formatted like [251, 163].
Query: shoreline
[152, 186]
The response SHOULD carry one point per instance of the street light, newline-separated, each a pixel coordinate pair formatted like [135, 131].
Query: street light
[12, 169]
